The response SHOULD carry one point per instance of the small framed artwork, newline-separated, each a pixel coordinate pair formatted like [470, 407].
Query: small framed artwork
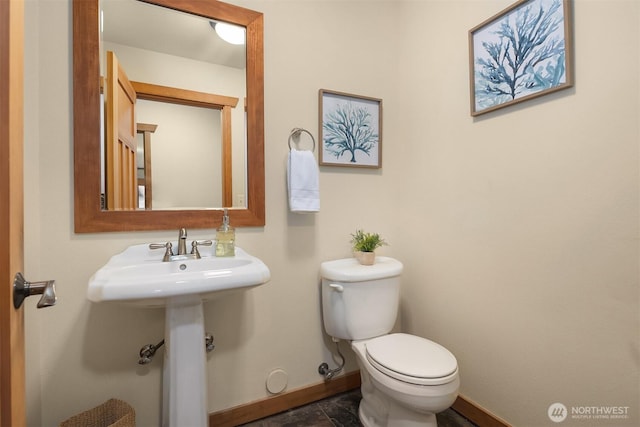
[521, 53]
[350, 130]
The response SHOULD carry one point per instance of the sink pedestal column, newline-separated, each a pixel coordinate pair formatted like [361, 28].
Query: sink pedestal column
[184, 372]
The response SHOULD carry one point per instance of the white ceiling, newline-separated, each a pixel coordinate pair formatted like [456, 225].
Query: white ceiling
[145, 26]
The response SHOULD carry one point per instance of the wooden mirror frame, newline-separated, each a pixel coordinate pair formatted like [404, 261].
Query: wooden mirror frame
[88, 215]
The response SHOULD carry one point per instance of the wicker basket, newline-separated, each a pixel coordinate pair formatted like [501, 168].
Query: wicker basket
[112, 413]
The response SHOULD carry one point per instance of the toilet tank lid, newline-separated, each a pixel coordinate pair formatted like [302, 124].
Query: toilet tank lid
[350, 270]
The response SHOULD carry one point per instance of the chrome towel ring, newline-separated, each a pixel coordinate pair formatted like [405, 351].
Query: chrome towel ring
[295, 134]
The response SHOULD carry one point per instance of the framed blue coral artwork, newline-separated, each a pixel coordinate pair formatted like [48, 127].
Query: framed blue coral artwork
[350, 130]
[521, 53]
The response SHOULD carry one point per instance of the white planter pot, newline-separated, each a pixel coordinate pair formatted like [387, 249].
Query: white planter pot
[365, 258]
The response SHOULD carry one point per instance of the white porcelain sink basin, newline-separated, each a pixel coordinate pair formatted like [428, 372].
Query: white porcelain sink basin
[139, 276]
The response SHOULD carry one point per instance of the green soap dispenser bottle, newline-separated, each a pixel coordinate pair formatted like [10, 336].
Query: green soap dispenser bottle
[225, 238]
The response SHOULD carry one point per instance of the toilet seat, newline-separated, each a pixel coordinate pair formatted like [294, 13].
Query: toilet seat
[412, 359]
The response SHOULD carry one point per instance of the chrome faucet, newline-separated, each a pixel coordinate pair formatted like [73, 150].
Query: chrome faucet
[182, 242]
[182, 248]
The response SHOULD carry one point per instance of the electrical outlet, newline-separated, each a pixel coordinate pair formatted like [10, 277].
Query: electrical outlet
[240, 198]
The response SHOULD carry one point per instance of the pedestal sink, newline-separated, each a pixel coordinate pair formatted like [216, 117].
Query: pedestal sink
[138, 276]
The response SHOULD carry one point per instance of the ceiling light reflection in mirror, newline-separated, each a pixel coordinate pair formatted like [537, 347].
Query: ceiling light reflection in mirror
[179, 50]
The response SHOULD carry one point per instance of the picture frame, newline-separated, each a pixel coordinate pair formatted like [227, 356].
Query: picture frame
[498, 77]
[350, 130]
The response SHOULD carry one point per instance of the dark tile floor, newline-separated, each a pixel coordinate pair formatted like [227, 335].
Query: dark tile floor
[340, 411]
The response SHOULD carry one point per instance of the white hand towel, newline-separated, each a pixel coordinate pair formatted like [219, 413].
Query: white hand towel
[303, 182]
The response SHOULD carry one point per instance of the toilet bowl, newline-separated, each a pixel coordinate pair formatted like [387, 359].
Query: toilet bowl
[406, 379]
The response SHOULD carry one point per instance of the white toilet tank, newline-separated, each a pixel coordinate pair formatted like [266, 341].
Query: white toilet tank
[360, 301]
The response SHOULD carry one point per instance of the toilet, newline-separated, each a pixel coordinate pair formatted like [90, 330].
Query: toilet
[406, 379]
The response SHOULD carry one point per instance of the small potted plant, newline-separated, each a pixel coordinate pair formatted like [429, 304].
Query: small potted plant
[364, 246]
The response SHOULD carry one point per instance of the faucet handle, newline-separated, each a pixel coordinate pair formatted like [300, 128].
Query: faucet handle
[167, 254]
[196, 243]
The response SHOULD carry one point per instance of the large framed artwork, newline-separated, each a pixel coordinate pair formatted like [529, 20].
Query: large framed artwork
[521, 53]
[350, 130]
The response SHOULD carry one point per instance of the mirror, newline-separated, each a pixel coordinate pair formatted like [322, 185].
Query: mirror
[184, 54]
[89, 216]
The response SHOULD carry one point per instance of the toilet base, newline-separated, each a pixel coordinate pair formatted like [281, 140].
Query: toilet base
[398, 417]
[377, 411]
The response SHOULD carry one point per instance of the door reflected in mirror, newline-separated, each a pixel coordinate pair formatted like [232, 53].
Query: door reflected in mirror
[180, 51]
[227, 92]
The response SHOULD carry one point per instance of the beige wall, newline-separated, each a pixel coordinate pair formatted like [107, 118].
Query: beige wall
[518, 230]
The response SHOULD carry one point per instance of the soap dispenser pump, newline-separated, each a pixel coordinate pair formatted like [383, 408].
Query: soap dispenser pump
[225, 237]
